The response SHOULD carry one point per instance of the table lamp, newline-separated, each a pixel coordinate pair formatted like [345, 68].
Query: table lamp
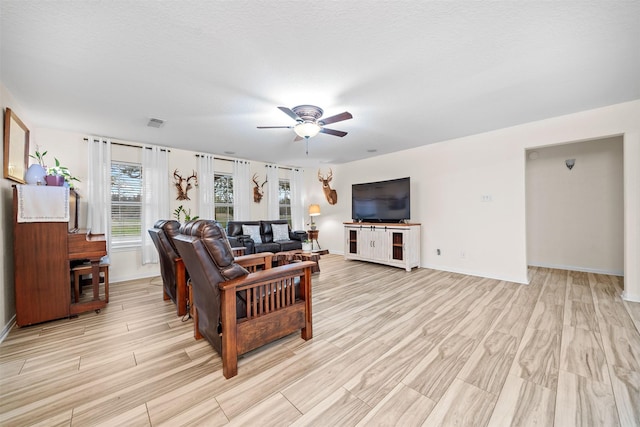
[314, 210]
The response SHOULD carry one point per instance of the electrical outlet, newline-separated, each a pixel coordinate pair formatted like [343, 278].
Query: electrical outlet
[463, 254]
[486, 198]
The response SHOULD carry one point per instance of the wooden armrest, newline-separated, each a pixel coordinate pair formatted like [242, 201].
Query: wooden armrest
[263, 259]
[259, 255]
[289, 270]
[181, 286]
[238, 250]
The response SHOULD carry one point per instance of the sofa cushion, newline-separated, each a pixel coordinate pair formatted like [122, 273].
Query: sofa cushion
[289, 245]
[268, 247]
[280, 232]
[252, 231]
[234, 228]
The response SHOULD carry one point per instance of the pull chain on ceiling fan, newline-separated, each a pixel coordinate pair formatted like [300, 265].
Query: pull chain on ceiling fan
[308, 123]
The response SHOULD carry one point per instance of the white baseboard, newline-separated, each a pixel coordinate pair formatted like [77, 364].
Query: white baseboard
[7, 328]
[522, 281]
[630, 298]
[582, 269]
[117, 279]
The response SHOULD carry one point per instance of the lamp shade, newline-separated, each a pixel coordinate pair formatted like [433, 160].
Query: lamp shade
[314, 210]
[306, 129]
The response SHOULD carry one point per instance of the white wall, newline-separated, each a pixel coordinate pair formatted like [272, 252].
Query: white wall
[7, 294]
[575, 218]
[450, 178]
[448, 181]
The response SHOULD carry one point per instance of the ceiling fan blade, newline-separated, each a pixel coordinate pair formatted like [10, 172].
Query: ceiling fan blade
[298, 138]
[289, 113]
[337, 118]
[333, 132]
[274, 127]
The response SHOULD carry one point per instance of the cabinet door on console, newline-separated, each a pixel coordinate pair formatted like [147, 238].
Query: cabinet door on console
[375, 244]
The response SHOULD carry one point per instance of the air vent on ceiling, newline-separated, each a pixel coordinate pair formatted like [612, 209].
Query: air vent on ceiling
[155, 123]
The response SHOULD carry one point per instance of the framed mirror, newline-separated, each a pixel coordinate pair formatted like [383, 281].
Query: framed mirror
[16, 147]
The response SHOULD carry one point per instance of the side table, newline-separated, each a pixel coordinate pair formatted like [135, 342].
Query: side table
[313, 235]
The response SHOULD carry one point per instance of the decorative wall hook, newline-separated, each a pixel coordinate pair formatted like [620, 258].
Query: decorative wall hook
[570, 163]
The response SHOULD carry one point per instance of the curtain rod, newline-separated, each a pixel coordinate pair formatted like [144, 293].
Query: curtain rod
[280, 167]
[246, 161]
[219, 158]
[122, 144]
[197, 155]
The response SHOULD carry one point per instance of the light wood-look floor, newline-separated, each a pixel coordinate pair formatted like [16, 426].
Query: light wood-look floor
[389, 348]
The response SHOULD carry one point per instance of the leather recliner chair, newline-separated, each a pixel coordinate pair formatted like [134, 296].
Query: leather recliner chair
[238, 311]
[174, 278]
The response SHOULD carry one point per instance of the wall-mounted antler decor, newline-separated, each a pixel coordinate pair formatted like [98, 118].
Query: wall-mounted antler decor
[258, 190]
[329, 193]
[184, 185]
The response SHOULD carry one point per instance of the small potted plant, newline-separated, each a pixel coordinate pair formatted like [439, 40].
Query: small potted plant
[187, 214]
[307, 245]
[59, 175]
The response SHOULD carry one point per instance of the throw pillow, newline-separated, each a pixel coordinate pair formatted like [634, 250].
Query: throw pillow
[252, 231]
[280, 232]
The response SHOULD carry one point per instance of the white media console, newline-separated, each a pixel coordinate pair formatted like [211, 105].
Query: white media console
[397, 245]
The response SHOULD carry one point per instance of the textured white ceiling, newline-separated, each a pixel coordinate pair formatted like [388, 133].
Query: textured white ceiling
[411, 73]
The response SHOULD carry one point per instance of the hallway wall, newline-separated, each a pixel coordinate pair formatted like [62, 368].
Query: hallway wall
[575, 218]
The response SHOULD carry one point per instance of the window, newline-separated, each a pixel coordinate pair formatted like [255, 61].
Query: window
[126, 204]
[223, 198]
[284, 192]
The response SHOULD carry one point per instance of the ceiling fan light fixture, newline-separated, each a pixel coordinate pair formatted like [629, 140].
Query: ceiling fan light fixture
[306, 129]
[308, 123]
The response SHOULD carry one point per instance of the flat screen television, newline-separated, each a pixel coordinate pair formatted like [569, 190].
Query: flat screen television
[382, 201]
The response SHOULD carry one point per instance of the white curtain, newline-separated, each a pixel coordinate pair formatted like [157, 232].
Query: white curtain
[297, 200]
[272, 193]
[206, 183]
[99, 188]
[241, 190]
[155, 187]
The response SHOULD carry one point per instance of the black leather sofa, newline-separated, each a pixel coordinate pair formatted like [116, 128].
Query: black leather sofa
[266, 241]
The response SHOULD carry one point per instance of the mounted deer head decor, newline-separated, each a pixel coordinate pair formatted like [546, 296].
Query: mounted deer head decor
[184, 185]
[329, 193]
[258, 190]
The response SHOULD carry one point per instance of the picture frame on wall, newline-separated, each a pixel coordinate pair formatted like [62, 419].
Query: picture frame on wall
[16, 147]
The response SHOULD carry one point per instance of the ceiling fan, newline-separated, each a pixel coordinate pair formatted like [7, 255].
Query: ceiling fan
[308, 123]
